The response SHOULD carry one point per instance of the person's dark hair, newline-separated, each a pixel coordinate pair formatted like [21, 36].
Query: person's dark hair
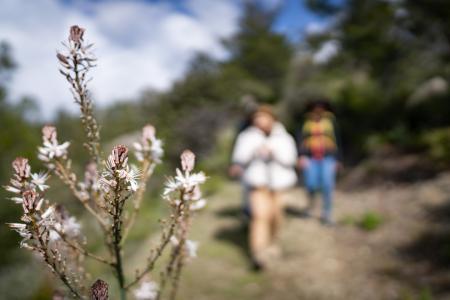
[322, 102]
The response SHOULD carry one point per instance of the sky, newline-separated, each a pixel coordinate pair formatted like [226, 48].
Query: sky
[141, 44]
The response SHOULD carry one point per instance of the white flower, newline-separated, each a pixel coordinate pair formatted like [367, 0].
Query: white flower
[150, 147]
[147, 291]
[53, 234]
[48, 213]
[191, 248]
[184, 182]
[157, 150]
[52, 150]
[188, 180]
[107, 184]
[39, 179]
[64, 224]
[174, 240]
[12, 189]
[131, 177]
[17, 200]
[48, 217]
[153, 151]
[71, 227]
[198, 204]
[22, 230]
[171, 186]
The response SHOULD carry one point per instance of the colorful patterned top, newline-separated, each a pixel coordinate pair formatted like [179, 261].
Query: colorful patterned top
[318, 137]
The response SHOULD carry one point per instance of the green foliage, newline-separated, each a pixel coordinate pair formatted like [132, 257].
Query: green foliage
[438, 144]
[18, 138]
[262, 55]
[390, 55]
[425, 294]
[370, 221]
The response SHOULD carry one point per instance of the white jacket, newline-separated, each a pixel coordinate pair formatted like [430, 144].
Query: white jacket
[276, 173]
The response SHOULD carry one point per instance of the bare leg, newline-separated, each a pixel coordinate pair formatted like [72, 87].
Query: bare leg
[260, 223]
[276, 215]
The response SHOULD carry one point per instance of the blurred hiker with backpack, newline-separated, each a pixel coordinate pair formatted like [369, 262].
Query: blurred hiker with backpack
[265, 156]
[319, 156]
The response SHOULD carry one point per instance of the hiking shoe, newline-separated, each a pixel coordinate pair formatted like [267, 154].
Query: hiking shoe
[257, 266]
[327, 222]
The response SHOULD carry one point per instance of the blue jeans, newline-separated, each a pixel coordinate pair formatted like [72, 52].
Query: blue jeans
[320, 174]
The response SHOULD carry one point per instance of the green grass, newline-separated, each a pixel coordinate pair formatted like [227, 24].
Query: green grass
[371, 221]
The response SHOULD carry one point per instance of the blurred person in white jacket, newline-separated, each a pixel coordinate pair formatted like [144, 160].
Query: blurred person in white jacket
[264, 156]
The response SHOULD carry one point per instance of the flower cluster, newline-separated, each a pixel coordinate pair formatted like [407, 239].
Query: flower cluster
[76, 62]
[148, 290]
[189, 246]
[42, 225]
[64, 224]
[117, 171]
[50, 231]
[186, 183]
[150, 147]
[51, 148]
[25, 193]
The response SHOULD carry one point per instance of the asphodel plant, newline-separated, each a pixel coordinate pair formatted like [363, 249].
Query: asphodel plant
[111, 191]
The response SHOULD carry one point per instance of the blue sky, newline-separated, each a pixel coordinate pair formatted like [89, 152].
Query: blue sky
[140, 44]
[294, 18]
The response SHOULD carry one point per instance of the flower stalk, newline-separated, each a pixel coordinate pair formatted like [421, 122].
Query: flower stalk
[108, 195]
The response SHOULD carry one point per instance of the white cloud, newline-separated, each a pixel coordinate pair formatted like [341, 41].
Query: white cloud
[327, 51]
[139, 44]
[315, 28]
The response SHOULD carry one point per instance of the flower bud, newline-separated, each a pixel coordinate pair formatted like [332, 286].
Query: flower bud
[76, 34]
[62, 59]
[99, 290]
[29, 201]
[148, 132]
[49, 134]
[119, 155]
[21, 167]
[187, 160]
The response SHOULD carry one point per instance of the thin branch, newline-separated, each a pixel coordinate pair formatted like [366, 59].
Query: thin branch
[138, 199]
[67, 179]
[82, 250]
[165, 239]
[52, 264]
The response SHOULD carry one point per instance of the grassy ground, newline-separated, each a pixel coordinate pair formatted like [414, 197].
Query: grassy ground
[391, 242]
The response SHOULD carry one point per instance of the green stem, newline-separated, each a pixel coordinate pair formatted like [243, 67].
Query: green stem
[118, 206]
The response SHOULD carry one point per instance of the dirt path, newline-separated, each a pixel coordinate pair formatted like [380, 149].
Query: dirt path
[405, 258]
